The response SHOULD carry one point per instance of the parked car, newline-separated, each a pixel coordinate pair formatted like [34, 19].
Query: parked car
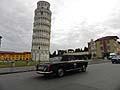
[111, 55]
[115, 59]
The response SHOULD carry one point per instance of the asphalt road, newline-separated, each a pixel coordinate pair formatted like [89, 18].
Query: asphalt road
[98, 77]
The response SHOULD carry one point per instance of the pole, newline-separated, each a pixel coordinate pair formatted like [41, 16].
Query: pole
[39, 55]
[0, 40]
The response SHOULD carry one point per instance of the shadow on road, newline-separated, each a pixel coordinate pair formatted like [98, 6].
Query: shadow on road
[68, 74]
[1, 88]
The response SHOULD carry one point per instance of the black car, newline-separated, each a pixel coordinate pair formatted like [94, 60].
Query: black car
[59, 68]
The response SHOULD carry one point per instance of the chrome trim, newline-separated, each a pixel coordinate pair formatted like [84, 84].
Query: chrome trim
[73, 69]
[42, 72]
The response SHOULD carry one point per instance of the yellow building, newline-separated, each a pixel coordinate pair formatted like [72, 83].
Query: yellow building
[15, 56]
[106, 45]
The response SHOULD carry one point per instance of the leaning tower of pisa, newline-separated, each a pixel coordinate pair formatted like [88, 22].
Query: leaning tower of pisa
[41, 32]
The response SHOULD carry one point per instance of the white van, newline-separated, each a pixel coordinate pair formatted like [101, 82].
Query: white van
[112, 55]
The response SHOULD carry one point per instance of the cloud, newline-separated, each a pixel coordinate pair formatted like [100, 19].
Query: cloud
[15, 26]
[74, 23]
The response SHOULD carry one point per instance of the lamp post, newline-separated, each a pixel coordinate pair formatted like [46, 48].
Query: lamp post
[0, 40]
[39, 57]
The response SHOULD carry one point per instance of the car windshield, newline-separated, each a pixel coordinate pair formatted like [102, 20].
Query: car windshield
[55, 59]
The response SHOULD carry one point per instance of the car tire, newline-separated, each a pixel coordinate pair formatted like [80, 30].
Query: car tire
[46, 75]
[60, 72]
[83, 68]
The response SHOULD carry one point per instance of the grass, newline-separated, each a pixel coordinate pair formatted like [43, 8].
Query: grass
[5, 64]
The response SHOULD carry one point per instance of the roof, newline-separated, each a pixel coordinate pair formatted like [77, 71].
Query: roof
[6, 52]
[10, 52]
[107, 38]
[43, 2]
[27, 52]
[118, 42]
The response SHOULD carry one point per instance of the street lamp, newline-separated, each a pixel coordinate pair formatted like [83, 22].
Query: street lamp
[0, 40]
[39, 56]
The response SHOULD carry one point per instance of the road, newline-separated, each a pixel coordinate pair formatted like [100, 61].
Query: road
[98, 77]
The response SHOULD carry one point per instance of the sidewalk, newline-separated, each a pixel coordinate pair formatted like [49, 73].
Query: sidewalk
[32, 68]
[98, 61]
[16, 69]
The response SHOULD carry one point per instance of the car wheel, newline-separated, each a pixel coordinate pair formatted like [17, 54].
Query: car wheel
[60, 72]
[46, 75]
[83, 68]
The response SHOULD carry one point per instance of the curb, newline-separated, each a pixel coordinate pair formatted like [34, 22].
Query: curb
[15, 72]
[98, 62]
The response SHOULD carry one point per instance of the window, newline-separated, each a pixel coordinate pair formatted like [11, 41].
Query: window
[42, 13]
[101, 48]
[100, 42]
[108, 47]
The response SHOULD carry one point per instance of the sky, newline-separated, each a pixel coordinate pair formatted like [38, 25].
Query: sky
[74, 22]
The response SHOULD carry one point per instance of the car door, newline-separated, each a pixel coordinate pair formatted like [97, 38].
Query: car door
[69, 65]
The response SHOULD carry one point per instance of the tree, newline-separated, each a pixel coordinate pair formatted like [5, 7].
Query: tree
[50, 54]
[85, 49]
[54, 53]
[70, 50]
[77, 50]
[61, 52]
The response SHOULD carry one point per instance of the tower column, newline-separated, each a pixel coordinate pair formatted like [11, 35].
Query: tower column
[41, 32]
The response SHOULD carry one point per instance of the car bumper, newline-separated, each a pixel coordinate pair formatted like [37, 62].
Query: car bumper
[42, 72]
[115, 61]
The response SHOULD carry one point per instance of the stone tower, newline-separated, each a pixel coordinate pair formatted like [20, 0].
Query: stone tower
[41, 32]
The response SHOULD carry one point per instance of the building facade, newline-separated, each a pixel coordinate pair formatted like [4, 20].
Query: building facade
[92, 48]
[102, 47]
[118, 49]
[15, 56]
[41, 32]
[106, 45]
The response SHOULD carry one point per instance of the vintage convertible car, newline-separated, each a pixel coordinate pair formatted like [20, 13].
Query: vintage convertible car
[59, 68]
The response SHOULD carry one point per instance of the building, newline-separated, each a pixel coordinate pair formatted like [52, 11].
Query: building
[92, 48]
[15, 56]
[41, 32]
[106, 45]
[118, 49]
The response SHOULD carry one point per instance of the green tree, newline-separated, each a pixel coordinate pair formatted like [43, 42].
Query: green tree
[54, 54]
[85, 49]
[77, 50]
